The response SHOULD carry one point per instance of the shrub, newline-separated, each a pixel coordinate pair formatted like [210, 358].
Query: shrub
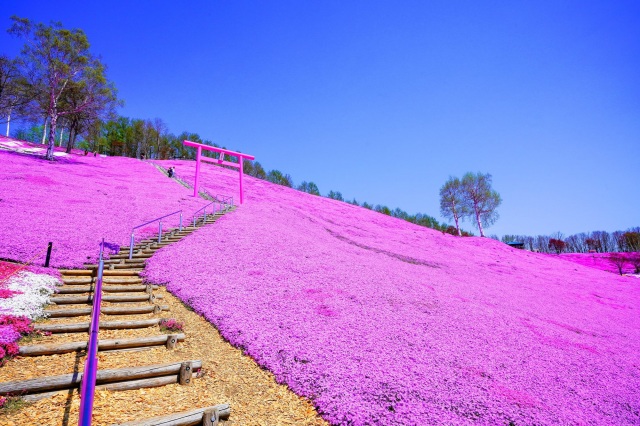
[171, 324]
[11, 404]
[11, 329]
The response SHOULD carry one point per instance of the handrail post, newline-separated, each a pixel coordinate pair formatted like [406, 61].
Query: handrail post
[159, 232]
[131, 247]
[180, 221]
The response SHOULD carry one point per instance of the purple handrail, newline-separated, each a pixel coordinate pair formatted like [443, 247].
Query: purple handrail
[91, 364]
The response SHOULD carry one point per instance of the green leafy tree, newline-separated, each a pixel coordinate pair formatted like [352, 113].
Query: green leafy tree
[259, 171]
[480, 199]
[102, 107]
[335, 195]
[309, 187]
[276, 176]
[30, 134]
[188, 152]
[629, 241]
[452, 203]
[14, 93]
[382, 209]
[54, 59]
[401, 214]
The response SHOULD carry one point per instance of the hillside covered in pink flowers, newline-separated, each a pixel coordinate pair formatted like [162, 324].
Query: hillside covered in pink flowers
[77, 200]
[375, 320]
[379, 321]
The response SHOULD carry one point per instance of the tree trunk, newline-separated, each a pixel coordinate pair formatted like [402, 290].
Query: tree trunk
[52, 136]
[455, 218]
[479, 223]
[44, 131]
[8, 121]
[61, 134]
[71, 142]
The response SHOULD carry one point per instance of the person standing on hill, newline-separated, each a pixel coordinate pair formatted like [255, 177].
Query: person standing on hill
[170, 172]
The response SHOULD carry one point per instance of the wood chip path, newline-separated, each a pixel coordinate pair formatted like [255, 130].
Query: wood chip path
[228, 377]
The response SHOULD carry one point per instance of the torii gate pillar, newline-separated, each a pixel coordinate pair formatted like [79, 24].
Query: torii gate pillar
[199, 147]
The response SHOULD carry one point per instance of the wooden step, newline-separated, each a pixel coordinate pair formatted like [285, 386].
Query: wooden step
[106, 279]
[79, 327]
[103, 345]
[78, 289]
[136, 255]
[121, 298]
[200, 416]
[106, 310]
[119, 375]
[92, 272]
[132, 266]
[140, 254]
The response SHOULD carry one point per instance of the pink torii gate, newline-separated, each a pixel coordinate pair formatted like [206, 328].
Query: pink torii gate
[220, 160]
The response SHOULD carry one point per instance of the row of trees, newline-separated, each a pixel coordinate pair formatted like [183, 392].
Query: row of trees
[597, 241]
[56, 80]
[470, 197]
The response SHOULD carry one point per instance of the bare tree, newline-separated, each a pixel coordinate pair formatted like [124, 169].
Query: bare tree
[619, 261]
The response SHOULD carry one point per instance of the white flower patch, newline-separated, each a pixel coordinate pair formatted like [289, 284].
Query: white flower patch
[36, 290]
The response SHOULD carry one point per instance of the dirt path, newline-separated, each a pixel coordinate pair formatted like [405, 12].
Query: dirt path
[229, 377]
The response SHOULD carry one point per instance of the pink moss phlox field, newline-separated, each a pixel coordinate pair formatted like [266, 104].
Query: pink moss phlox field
[599, 261]
[379, 321]
[77, 200]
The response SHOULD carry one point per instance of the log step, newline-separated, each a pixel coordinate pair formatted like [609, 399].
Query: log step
[91, 272]
[126, 257]
[80, 327]
[69, 300]
[193, 417]
[103, 345]
[78, 280]
[139, 266]
[76, 289]
[127, 310]
[119, 375]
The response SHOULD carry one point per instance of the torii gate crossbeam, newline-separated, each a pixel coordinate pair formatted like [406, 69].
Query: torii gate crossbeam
[199, 147]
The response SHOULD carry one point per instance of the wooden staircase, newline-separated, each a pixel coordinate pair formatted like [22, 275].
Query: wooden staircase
[125, 294]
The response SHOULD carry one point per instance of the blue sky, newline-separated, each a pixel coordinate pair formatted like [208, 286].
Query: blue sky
[384, 100]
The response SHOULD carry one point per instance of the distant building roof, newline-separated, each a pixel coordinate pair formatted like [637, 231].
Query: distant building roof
[516, 244]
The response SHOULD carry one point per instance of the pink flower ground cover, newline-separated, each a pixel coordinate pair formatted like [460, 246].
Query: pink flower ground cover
[75, 201]
[379, 321]
[598, 261]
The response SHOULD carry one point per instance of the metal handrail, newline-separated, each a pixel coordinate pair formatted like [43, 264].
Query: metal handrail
[91, 364]
[224, 199]
[204, 210]
[225, 203]
[159, 219]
